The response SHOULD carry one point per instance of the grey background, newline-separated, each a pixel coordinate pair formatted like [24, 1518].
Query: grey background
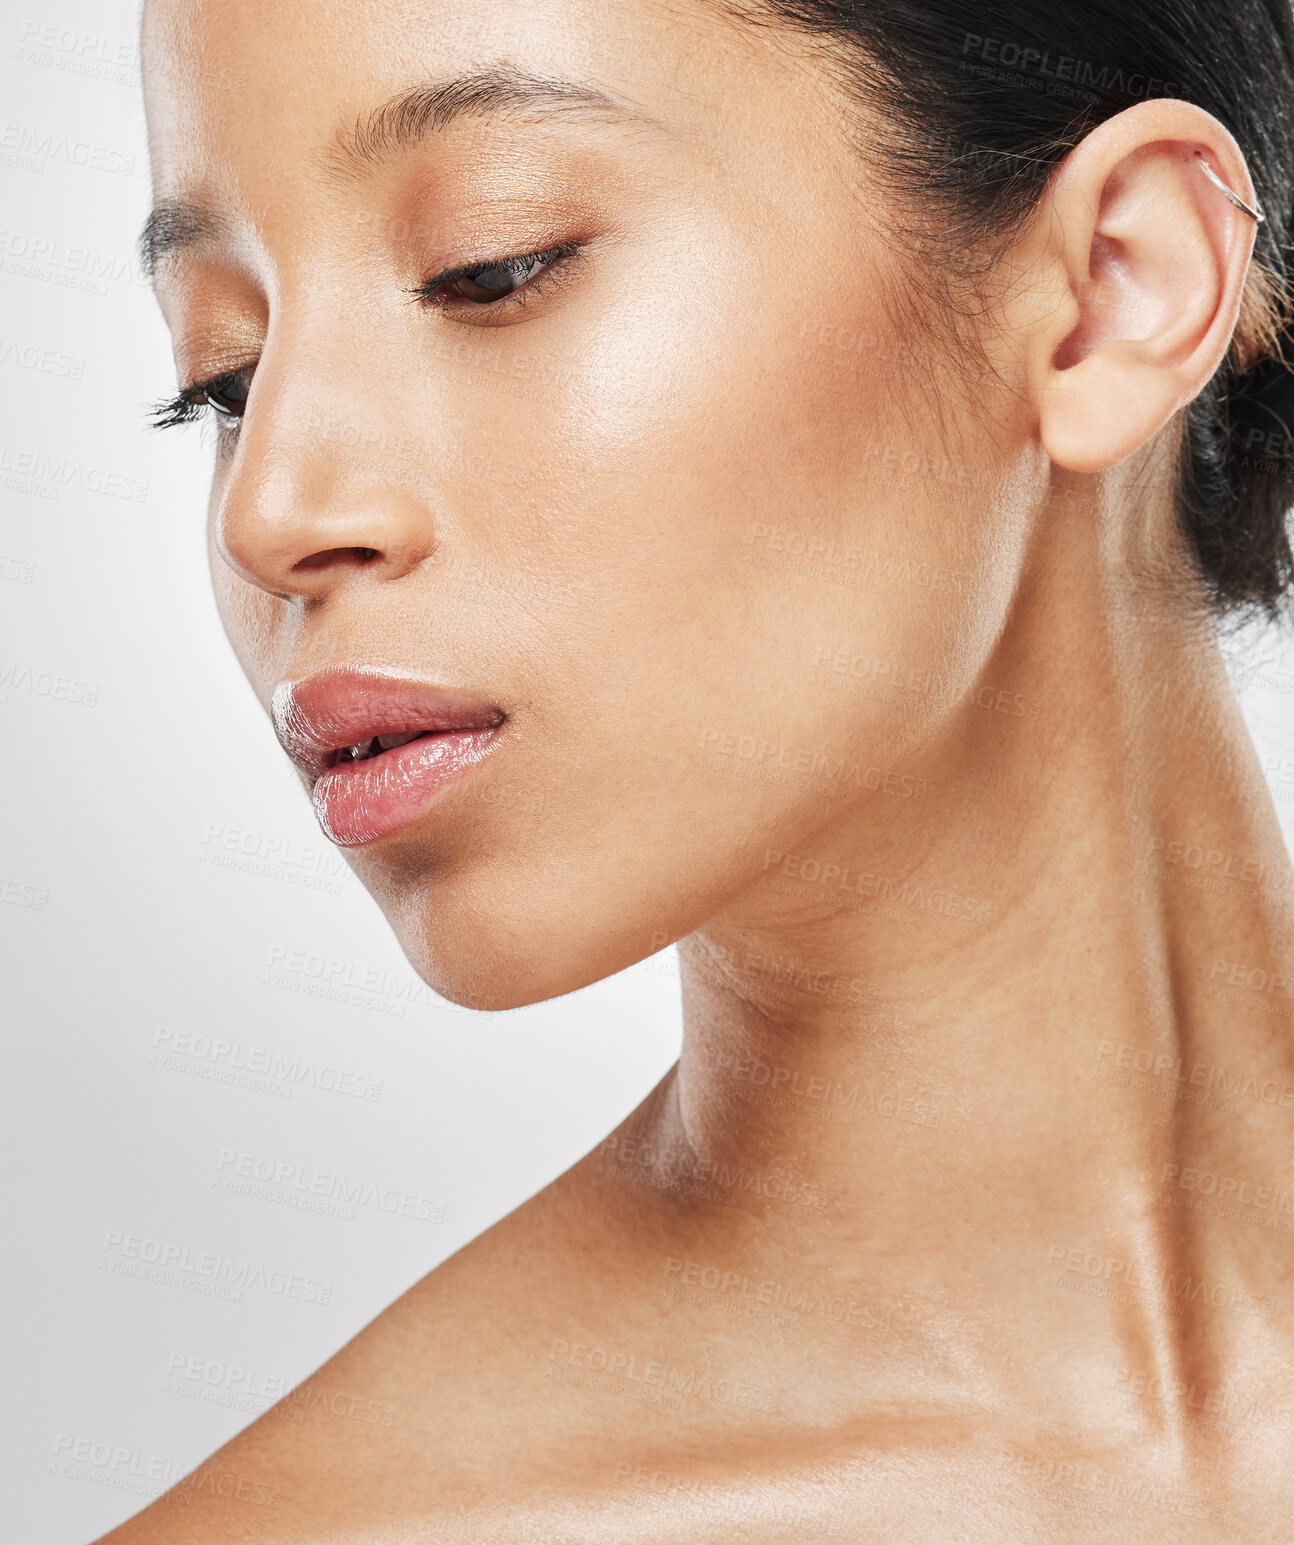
[172, 922]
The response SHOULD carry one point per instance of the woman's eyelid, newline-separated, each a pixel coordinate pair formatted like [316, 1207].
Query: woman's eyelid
[466, 270]
[516, 262]
[211, 380]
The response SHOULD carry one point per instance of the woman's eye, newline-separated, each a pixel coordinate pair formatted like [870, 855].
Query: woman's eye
[499, 279]
[228, 395]
[483, 284]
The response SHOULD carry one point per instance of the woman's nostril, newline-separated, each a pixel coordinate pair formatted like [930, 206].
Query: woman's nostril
[337, 555]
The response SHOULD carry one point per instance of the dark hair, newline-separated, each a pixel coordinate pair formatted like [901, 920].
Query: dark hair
[982, 99]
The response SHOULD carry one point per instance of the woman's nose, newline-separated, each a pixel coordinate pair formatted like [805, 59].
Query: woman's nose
[314, 500]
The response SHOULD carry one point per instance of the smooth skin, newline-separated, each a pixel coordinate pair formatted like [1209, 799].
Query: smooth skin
[876, 677]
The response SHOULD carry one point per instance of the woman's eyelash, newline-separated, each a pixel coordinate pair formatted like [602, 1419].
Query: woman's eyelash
[189, 405]
[516, 267]
[184, 408]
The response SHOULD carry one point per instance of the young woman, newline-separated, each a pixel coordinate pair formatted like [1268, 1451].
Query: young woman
[806, 448]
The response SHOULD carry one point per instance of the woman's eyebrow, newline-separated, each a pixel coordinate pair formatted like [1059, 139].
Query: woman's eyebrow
[399, 124]
[173, 225]
[405, 119]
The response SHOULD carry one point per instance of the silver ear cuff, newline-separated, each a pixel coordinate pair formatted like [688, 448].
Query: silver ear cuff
[1255, 214]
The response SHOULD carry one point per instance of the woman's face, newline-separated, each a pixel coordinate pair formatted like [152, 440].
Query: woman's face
[693, 508]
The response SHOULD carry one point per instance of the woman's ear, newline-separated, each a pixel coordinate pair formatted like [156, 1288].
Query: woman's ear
[1142, 262]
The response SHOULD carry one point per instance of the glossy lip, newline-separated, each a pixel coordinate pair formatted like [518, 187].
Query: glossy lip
[359, 802]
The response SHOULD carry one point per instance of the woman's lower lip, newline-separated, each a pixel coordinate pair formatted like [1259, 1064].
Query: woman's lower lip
[358, 802]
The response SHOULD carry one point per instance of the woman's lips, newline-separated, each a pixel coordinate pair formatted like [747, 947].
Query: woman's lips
[327, 724]
[359, 802]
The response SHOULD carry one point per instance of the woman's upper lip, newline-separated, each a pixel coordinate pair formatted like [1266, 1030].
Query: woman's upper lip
[316, 717]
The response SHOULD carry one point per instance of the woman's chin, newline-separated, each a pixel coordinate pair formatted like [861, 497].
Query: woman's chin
[487, 967]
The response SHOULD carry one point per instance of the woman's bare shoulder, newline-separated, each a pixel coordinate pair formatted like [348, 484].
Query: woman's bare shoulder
[461, 1380]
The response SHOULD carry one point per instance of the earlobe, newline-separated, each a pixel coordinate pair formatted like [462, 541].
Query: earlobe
[1148, 259]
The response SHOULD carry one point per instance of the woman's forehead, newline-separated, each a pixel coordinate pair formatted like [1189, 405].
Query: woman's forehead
[304, 63]
[264, 106]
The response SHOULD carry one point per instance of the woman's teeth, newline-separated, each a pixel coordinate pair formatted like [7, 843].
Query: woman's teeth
[364, 750]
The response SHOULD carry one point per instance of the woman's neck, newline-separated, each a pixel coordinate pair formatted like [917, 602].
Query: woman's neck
[959, 1046]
